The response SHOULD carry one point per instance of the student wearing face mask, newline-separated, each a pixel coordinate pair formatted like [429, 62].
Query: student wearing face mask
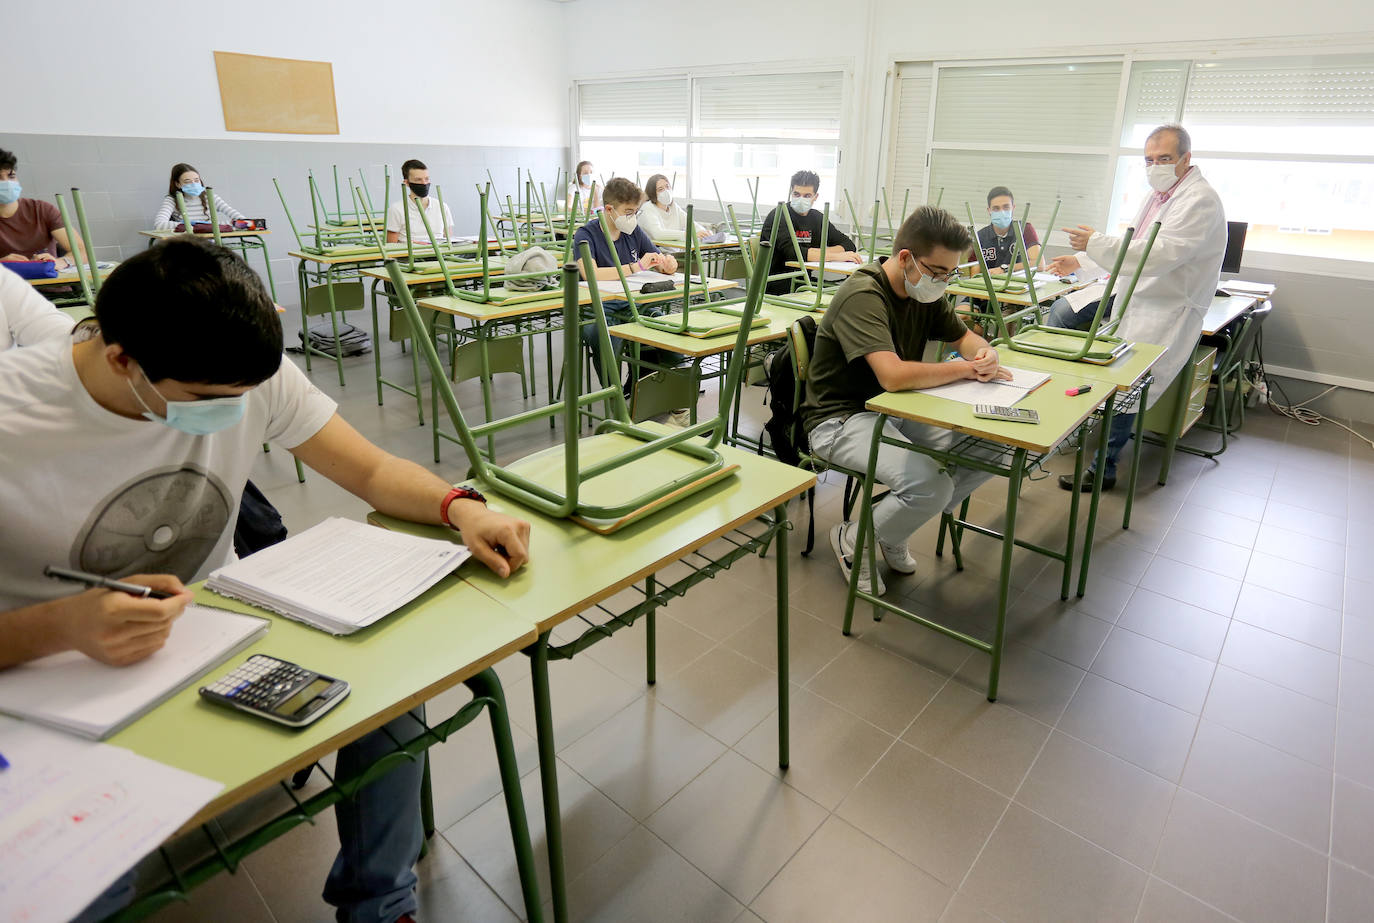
[807, 219]
[998, 239]
[1178, 281]
[417, 194]
[584, 185]
[187, 180]
[661, 216]
[871, 340]
[31, 229]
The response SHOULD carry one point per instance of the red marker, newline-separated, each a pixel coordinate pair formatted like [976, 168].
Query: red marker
[1081, 389]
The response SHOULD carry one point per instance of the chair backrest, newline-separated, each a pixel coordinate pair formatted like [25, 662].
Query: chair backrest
[1241, 347]
[348, 296]
[799, 349]
[90, 286]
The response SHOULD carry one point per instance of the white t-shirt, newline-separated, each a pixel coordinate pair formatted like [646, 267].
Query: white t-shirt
[396, 220]
[657, 223]
[26, 317]
[85, 488]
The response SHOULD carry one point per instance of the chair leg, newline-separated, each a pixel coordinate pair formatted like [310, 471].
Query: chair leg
[810, 522]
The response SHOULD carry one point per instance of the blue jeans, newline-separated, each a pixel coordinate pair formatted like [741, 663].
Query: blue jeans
[380, 834]
[1062, 314]
[1123, 427]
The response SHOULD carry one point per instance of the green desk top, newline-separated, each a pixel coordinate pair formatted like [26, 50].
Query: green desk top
[1060, 414]
[368, 255]
[435, 642]
[459, 272]
[1122, 373]
[678, 242]
[779, 319]
[518, 304]
[1044, 292]
[163, 234]
[70, 278]
[572, 568]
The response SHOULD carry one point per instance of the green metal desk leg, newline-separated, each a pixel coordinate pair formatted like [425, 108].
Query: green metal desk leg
[334, 324]
[1108, 412]
[548, 775]
[784, 689]
[1018, 469]
[1073, 519]
[486, 685]
[267, 261]
[486, 387]
[377, 345]
[303, 283]
[865, 526]
[1135, 454]
[1175, 433]
[650, 634]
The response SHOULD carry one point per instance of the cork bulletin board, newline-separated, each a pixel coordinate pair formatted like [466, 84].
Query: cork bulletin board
[276, 94]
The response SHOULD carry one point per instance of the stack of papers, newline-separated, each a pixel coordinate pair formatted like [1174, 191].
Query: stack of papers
[75, 815]
[1237, 287]
[1000, 393]
[72, 692]
[340, 575]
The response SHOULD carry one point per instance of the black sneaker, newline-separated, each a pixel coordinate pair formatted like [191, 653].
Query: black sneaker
[1066, 482]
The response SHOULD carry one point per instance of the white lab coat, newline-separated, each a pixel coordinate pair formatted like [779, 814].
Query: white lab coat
[1180, 275]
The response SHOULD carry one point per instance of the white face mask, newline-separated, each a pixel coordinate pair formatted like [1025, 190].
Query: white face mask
[585, 180]
[801, 204]
[665, 197]
[1161, 176]
[626, 224]
[926, 290]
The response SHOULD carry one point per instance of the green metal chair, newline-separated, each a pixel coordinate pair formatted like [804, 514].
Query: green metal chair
[89, 285]
[658, 468]
[750, 250]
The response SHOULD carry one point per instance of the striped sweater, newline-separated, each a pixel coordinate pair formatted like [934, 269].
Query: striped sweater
[169, 217]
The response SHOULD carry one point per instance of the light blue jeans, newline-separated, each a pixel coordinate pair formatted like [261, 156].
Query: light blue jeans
[380, 834]
[1062, 314]
[920, 487]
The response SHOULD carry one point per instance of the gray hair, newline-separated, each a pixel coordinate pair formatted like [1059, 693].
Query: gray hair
[1185, 141]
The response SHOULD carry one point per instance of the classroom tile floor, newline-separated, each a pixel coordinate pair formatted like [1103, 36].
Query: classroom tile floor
[1193, 740]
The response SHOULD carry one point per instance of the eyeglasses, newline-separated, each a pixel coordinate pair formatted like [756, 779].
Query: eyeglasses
[936, 277]
[1167, 159]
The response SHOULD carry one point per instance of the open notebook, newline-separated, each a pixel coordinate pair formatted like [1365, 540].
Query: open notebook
[72, 692]
[339, 576]
[1000, 393]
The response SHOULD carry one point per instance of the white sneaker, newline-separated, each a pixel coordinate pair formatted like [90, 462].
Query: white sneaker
[898, 557]
[841, 541]
[680, 418]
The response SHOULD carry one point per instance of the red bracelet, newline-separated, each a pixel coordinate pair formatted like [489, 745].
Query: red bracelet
[464, 493]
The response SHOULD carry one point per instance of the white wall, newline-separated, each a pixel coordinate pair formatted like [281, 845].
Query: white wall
[146, 69]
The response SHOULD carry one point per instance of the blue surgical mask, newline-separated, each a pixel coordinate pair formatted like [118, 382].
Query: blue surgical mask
[196, 418]
[1001, 218]
[9, 191]
[801, 204]
[585, 180]
[192, 189]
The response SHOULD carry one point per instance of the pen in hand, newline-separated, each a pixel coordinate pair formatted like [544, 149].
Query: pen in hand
[104, 583]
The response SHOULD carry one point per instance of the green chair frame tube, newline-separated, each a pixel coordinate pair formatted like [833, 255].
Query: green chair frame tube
[91, 287]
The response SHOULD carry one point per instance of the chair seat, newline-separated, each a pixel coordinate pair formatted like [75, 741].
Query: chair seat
[800, 301]
[704, 323]
[1046, 339]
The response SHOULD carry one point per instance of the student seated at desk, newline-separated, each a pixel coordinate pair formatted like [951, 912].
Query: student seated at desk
[998, 239]
[661, 216]
[26, 317]
[415, 193]
[31, 229]
[807, 222]
[142, 426]
[582, 186]
[186, 179]
[871, 340]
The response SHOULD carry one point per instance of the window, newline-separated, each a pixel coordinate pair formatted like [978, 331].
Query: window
[733, 136]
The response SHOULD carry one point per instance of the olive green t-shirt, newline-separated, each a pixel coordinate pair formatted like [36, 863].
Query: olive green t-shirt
[867, 316]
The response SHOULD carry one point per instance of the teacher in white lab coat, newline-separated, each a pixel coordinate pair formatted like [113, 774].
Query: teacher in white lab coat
[1178, 281]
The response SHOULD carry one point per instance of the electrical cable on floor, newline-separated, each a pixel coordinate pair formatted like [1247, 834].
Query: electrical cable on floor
[1299, 412]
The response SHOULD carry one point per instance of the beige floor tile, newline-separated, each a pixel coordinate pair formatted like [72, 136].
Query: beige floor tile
[290, 871]
[1238, 866]
[991, 742]
[1234, 529]
[1192, 585]
[1242, 482]
[1131, 725]
[1208, 553]
[1176, 623]
[1163, 903]
[1357, 687]
[1057, 628]
[591, 824]
[963, 909]
[1033, 869]
[1350, 895]
[1357, 640]
[1359, 597]
[623, 653]
[583, 694]
[926, 812]
[1301, 522]
[1118, 559]
[1033, 683]
[1310, 551]
[463, 770]
[723, 693]
[1160, 671]
[842, 874]
[738, 824]
[642, 878]
[1282, 661]
[1352, 835]
[1307, 583]
[879, 687]
[915, 642]
[718, 608]
[1214, 497]
[228, 897]
[1244, 775]
[1291, 617]
[811, 643]
[831, 749]
[1296, 724]
[642, 756]
[1116, 805]
[1355, 747]
[450, 890]
[1105, 596]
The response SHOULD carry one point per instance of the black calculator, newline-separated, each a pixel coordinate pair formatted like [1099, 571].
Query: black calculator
[1009, 414]
[277, 690]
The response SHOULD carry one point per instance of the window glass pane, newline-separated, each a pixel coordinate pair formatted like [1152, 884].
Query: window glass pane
[770, 106]
[653, 108]
[1153, 98]
[1053, 104]
[634, 159]
[734, 166]
[1037, 180]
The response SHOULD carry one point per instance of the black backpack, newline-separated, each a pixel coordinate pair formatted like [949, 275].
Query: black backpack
[784, 429]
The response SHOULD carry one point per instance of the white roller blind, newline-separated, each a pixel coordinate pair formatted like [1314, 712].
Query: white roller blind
[1030, 104]
[770, 106]
[634, 108]
[1034, 179]
[1154, 97]
[911, 134]
[1283, 92]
